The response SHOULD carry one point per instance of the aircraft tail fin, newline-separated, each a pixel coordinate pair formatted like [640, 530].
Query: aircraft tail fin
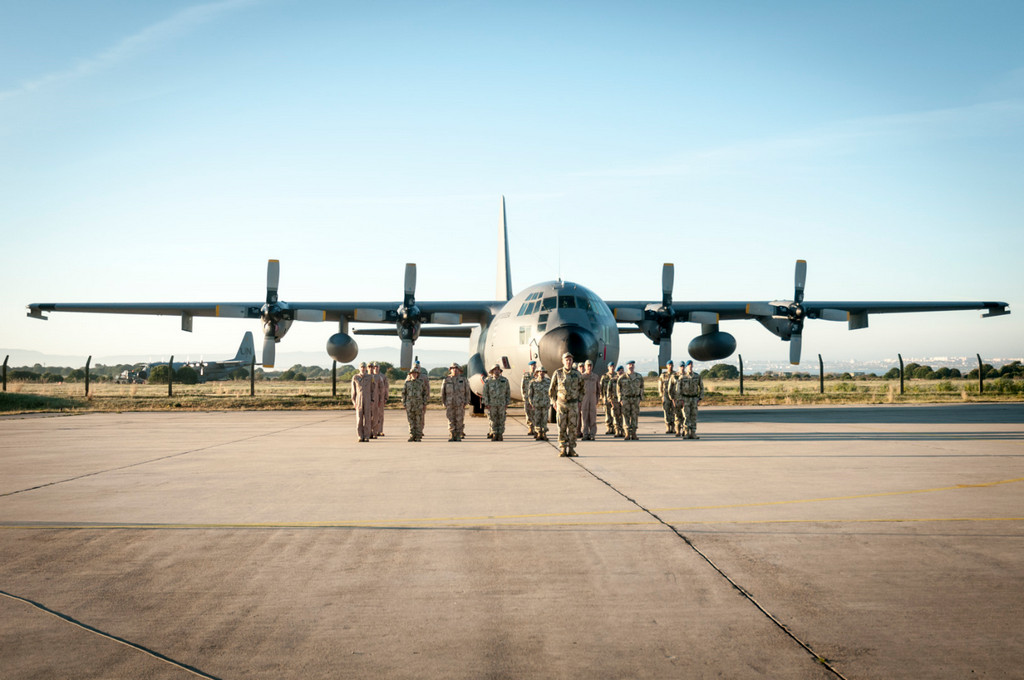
[247, 350]
[504, 290]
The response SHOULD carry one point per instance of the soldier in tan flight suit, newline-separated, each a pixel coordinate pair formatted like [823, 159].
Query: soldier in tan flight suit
[588, 403]
[631, 391]
[362, 399]
[380, 399]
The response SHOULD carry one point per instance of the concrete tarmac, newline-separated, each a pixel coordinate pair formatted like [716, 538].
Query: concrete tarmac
[818, 542]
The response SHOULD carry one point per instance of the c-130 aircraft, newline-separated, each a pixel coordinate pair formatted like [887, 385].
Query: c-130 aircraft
[540, 323]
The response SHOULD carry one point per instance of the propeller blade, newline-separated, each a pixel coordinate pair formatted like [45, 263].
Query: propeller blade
[834, 315]
[406, 355]
[799, 279]
[664, 352]
[268, 351]
[668, 271]
[795, 341]
[410, 283]
[273, 278]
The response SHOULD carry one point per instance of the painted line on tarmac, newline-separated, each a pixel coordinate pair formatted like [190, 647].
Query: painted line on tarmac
[96, 631]
[473, 524]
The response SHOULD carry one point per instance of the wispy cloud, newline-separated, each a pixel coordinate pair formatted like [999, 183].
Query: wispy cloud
[996, 118]
[131, 46]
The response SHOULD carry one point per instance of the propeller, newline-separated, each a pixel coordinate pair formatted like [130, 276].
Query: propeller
[786, 318]
[272, 313]
[666, 315]
[408, 317]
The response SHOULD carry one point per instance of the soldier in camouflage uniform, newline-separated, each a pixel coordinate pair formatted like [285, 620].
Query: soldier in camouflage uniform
[495, 398]
[565, 390]
[630, 388]
[413, 396]
[609, 413]
[677, 401]
[362, 400]
[425, 379]
[690, 388]
[527, 406]
[537, 396]
[613, 389]
[454, 397]
[666, 397]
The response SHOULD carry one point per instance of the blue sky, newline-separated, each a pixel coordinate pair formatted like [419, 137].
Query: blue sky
[163, 151]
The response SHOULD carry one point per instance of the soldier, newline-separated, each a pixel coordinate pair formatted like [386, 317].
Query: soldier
[691, 391]
[496, 397]
[608, 382]
[454, 397]
[362, 397]
[677, 400]
[380, 399]
[631, 390]
[565, 390]
[666, 397]
[613, 389]
[425, 379]
[537, 395]
[588, 403]
[413, 396]
[527, 406]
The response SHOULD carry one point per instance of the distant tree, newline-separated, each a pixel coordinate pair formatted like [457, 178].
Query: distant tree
[77, 375]
[186, 375]
[160, 375]
[239, 374]
[722, 372]
[892, 374]
[1013, 369]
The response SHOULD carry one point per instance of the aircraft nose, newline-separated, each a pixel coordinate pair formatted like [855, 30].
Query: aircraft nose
[576, 340]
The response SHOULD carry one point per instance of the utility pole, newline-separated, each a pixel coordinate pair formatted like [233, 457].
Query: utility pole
[901, 372]
[87, 362]
[741, 375]
[252, 377]
[5, 371]
[170, 376]
[821, 375]
[981, 376]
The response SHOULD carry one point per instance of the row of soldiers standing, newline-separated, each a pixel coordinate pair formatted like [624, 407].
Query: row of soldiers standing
[680, 393]
[369, 397]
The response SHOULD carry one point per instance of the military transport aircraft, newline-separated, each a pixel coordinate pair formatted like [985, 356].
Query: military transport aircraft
[539, 323]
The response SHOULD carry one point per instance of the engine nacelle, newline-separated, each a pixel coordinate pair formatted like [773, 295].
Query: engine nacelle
[342, 347]
[712, 346]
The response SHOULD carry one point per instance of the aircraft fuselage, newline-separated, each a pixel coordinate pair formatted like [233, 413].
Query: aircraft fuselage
[539, 324]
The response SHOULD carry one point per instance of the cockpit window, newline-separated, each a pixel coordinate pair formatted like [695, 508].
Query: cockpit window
[566, 302]
[522, 310]
[583, 303]
[548, 303]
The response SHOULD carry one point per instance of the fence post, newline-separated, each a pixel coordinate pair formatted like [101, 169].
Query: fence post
[252, 377]
[5, 371]
[741, 375]
[981, 376]
[821, 375]
[87, 362]
[170, 376]
[334, 378]
[901, 372]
